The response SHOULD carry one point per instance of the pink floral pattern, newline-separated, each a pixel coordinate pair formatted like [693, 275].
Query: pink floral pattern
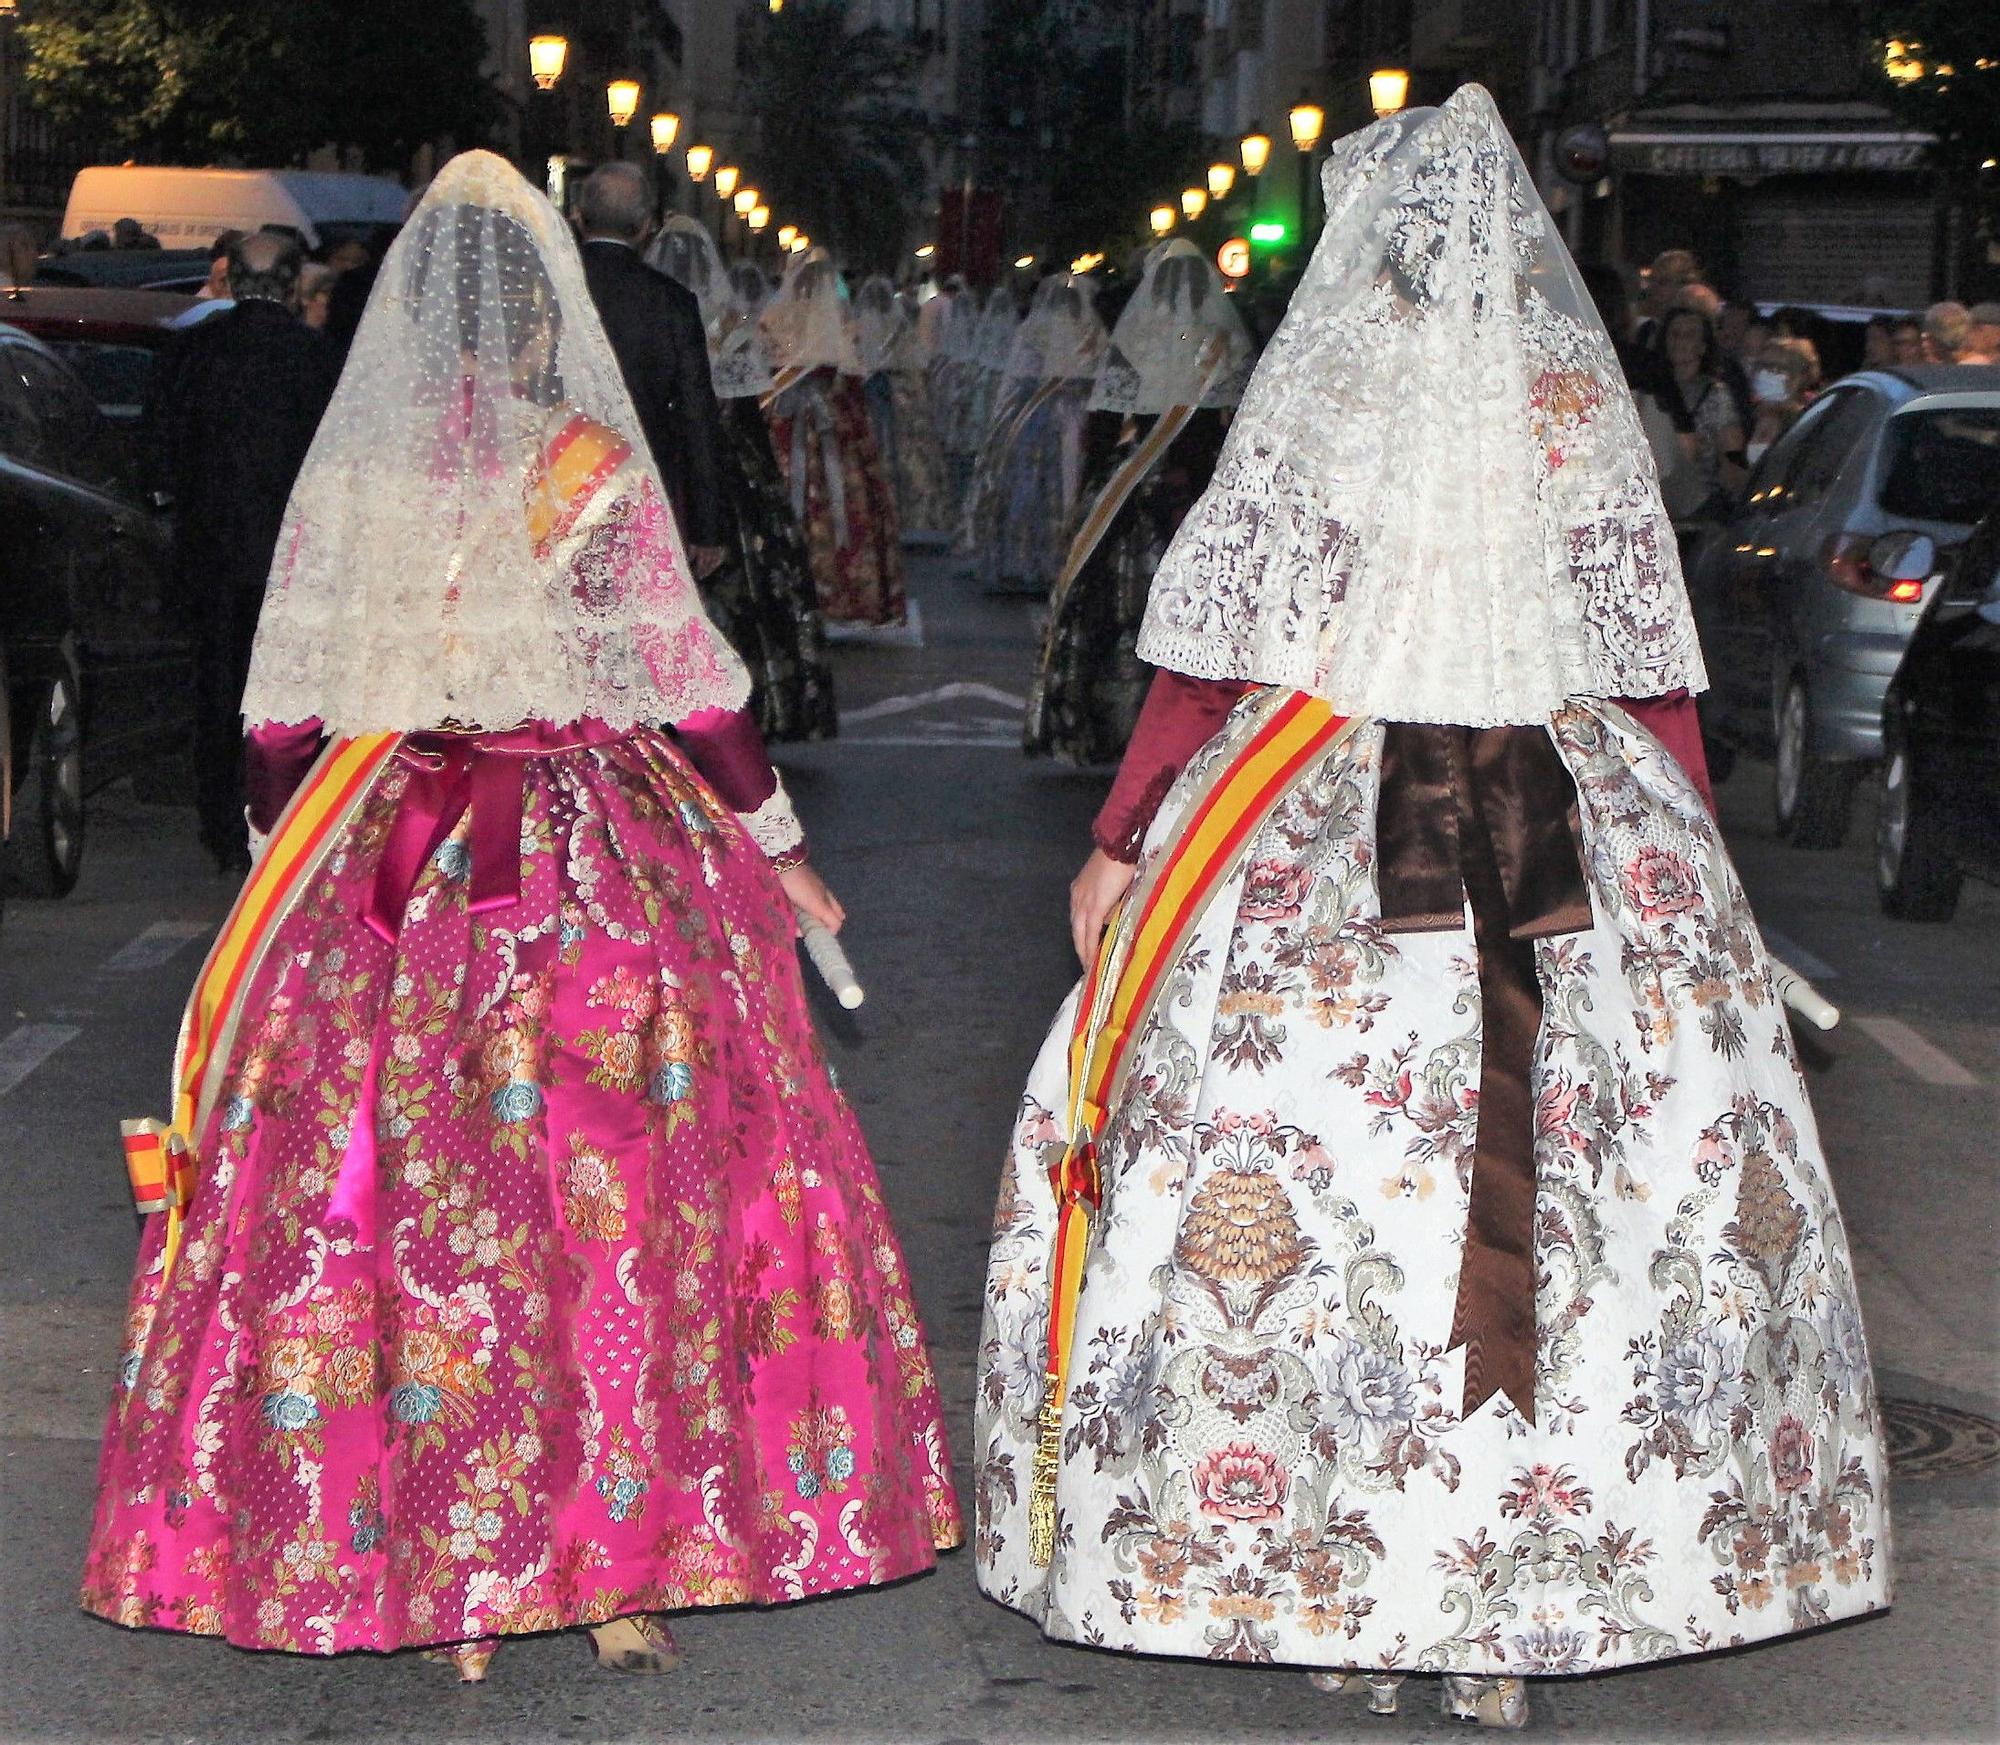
[537, 1272]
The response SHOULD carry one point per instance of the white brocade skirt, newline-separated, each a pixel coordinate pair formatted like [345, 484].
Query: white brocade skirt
[1263, 1456]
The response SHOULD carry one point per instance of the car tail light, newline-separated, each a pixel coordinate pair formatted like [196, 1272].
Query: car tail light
[1860, 563]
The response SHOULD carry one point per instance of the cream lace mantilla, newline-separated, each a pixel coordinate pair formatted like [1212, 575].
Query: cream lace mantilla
[478, 533]
[1435, 503]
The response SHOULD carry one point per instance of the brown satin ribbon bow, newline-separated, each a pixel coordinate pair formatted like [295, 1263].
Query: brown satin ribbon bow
[1489, 815]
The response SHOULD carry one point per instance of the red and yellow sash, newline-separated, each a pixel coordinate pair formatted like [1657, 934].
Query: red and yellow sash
[160, 1155]
[581, 456]
[1291, 733]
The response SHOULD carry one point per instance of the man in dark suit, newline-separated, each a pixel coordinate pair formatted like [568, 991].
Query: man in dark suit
[654, 325]
[234, 408]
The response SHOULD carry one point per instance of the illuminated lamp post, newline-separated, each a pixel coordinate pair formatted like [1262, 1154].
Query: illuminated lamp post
[1308, 121]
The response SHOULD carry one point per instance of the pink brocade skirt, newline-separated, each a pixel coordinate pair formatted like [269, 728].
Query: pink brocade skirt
[537, 1273]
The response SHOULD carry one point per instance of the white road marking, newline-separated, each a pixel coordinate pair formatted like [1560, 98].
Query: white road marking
[27, 1046]
[159, 944]
[905, 635]
[1814, 969]
[1928, 1061]
[956, 742]
[958, 690]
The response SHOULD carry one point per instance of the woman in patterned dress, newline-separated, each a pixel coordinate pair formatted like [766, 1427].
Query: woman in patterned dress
[1171, 376]
[950, 323]
[1026, 483]
[1441, 1272]
[895, 383]
[762, 597]
[826, 446]
[533, 1275]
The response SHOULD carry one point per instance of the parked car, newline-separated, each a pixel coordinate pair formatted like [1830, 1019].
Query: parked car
[99, 668]
[111, 339]
[182, 270]
[1940, 816]
[1805, 608]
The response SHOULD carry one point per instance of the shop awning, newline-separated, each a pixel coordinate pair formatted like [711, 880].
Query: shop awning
[1742, 151]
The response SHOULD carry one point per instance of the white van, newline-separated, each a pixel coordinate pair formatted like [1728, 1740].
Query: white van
[190, 208]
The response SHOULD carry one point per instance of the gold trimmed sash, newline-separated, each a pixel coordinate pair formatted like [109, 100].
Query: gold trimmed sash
[1291, 733]
[160, 1155]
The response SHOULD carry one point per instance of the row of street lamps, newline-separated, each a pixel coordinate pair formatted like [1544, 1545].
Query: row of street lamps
[547, 57]
[1388, 91]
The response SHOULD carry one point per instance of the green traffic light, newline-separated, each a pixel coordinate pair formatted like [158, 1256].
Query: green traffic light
[1268, 231]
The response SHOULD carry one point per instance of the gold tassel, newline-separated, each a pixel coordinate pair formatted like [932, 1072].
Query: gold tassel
[1042, 1486]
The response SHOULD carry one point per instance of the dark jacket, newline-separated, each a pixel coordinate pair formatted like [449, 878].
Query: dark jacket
[654, 325]
[235, 404]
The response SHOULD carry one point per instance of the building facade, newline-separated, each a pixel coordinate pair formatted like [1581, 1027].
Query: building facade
[1752, 131]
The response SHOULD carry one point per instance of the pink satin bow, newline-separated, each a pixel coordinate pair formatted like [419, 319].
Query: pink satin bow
[451, 773]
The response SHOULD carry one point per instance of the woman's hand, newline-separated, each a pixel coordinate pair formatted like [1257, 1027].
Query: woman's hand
[1093, 894]
[809, 894]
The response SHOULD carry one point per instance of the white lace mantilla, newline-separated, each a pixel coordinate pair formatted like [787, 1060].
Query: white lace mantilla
[1436, 502]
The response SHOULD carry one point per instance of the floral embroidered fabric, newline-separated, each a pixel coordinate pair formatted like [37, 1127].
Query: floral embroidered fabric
[536, 1274]
[1262, 1453]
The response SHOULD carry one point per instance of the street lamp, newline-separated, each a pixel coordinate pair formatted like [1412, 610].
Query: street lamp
[801, 243]
[1256, 151]
[745, 201]
[666, 129]
[1194, 202]
[760, 216]
[546, 55]
[621, 97]
[1388, 90]
[726, 179]
[1023, 263]
[1308, 121]
[1162, 220]
[1221, 178]
[699, 157]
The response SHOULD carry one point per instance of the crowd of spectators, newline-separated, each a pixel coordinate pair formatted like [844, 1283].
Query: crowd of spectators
[1718, 382]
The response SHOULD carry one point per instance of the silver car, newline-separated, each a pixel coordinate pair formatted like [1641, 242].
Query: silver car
[1807, 593]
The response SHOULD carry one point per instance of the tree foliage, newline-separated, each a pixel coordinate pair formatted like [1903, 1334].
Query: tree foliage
[195, 81]
[1948, 55]
[839, 131]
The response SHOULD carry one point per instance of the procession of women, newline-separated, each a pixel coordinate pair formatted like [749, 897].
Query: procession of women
[1414, 1264]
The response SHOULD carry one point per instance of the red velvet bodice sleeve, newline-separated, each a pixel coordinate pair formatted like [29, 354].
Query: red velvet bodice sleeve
[1180, 716]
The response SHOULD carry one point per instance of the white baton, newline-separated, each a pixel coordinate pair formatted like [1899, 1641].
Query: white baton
[1803, 998]
[831, 962]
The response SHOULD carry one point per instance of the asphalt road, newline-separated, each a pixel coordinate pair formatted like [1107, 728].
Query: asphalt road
[952, 853]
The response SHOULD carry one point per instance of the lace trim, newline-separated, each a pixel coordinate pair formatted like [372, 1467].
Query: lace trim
[775, 828]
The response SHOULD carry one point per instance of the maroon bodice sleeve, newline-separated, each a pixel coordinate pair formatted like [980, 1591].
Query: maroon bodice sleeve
[276, 759]
[1672, 721]
[1180, 716]
[727, 747]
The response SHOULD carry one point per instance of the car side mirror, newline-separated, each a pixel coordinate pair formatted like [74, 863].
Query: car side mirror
[1903, 556]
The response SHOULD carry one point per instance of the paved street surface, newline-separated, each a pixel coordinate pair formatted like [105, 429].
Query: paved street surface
[952, 853]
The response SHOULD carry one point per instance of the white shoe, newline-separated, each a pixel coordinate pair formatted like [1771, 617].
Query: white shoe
[1490, 1702]
[1381, 1687]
